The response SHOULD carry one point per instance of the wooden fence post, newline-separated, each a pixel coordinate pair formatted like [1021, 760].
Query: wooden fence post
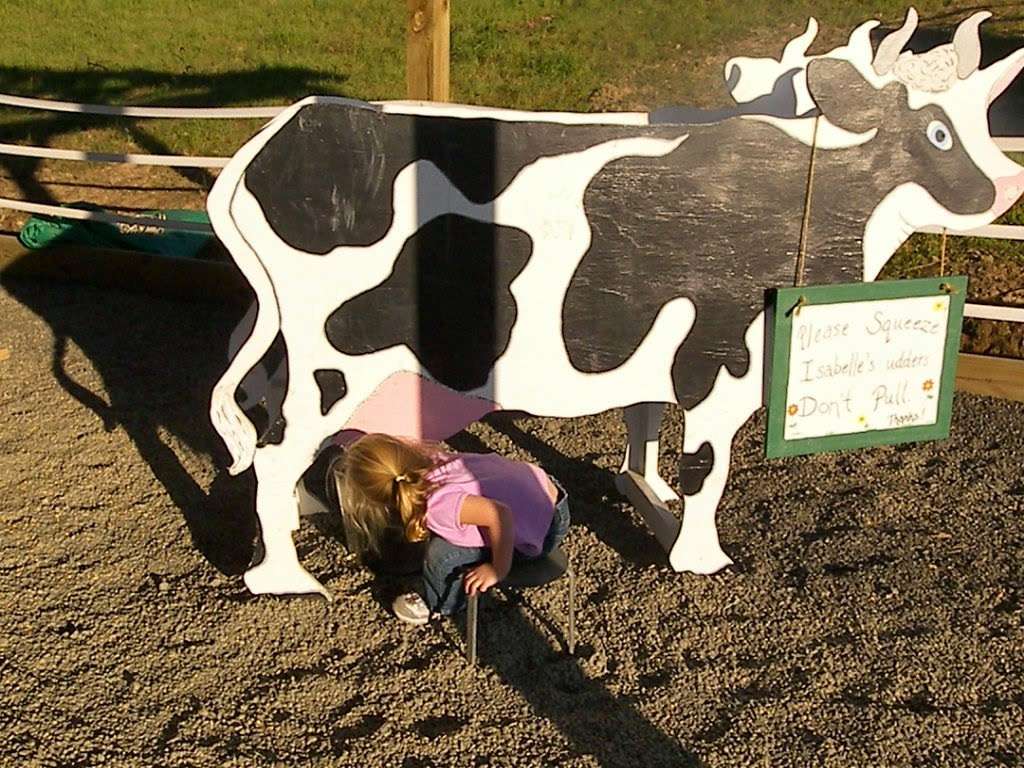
[427, 50]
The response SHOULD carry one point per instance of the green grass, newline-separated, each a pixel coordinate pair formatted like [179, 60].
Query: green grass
[536, 54]
[190, 53]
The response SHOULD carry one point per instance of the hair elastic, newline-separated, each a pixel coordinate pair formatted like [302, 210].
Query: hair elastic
[402, 478]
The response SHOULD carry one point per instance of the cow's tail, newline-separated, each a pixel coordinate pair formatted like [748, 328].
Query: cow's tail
[230, 421]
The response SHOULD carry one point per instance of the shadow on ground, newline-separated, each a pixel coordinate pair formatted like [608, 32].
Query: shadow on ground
[140, 346]
[147, 396]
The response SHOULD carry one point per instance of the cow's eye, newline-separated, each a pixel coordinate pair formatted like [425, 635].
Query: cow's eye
[940, 135]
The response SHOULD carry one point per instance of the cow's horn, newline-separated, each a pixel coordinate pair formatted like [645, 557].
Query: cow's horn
[967, 44]
[889, 49]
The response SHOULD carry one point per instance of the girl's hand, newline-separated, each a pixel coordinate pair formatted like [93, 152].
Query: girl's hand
[497, 519]
[480, 578]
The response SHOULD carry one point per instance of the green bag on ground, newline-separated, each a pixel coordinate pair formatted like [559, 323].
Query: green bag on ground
[45, 231]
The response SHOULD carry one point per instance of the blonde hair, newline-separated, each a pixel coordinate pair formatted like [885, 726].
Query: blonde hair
[382, 485]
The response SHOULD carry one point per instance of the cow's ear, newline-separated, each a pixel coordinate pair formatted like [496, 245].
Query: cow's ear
[846, 99]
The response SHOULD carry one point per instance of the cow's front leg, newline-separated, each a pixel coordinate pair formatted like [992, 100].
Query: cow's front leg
[707, 446]
[278, 468]
[643, 422]
[697, 548]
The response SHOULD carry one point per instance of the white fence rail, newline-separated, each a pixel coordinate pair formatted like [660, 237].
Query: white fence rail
[180, 161]
[995, 312]
[174, 161]
[979, 311]
[993, 231]
[108, 218]
[200, 113]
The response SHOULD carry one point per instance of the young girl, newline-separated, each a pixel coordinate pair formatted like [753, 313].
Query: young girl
[479, 511]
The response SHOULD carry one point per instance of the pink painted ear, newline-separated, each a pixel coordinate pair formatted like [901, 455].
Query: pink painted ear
[1006, 71]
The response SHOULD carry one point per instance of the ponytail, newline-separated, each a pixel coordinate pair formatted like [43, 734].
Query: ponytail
[382, 485]
[410, 495]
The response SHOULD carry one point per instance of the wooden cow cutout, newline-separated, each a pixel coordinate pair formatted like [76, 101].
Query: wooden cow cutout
[420, 265]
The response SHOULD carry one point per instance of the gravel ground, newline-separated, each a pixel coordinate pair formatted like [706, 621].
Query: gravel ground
[875, 614]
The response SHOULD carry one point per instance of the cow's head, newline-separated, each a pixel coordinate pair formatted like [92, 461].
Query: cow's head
[918, 154]
[929, 111]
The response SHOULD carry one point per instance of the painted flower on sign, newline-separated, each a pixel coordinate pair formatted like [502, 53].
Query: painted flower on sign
[927, 386]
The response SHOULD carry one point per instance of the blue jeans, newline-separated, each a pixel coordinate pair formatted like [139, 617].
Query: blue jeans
[444, 563]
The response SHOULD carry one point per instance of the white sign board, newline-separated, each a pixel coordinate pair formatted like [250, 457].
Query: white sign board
[862, 364]
[865, 365]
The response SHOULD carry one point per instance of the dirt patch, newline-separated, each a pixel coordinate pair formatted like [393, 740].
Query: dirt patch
[874, 616]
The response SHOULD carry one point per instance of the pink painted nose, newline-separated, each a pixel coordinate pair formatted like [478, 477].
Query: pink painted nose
[1008, 190]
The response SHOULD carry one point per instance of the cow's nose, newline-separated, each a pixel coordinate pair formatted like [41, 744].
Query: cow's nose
[1008, 190]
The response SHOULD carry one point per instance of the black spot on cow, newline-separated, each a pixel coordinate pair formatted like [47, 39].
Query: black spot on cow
[694, 469]
[262, 391]
[717, 221]
[325, 178]
[333, 387]
[433, 301]
[693, 228]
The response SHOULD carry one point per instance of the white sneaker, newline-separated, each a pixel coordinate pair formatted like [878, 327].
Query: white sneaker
[411, 609]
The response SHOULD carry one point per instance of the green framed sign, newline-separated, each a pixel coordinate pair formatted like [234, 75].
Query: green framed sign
[861, 364]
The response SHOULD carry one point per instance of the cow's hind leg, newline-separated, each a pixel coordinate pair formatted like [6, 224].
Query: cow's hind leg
[280, 572]
[278, 470]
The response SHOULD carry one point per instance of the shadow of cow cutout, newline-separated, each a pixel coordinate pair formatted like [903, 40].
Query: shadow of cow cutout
[612, 260]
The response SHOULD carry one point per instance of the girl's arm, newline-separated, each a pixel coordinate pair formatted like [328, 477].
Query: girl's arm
[497, 519]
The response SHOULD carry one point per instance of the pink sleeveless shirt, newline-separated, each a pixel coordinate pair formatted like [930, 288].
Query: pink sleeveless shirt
[521, 486]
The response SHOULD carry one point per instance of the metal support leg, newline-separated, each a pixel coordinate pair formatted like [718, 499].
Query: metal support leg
[471, 611]
[572, 611]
